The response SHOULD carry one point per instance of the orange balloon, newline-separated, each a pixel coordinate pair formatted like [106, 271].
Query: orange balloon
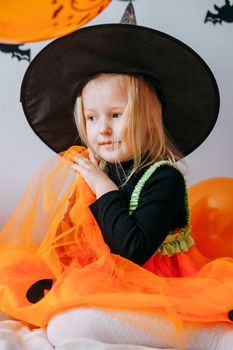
[211, 204]
[25, 21]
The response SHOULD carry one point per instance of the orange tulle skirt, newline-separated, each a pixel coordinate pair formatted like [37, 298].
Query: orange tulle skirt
[53, 236]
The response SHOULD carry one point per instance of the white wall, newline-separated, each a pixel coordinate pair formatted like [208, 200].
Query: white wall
[21, 150]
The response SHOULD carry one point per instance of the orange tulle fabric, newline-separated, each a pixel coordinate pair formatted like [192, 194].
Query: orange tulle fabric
[53, 235]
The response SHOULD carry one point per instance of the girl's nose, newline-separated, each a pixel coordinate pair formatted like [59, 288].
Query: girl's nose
[105, 127]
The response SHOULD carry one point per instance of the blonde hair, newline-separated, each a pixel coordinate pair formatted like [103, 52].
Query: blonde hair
[143, 107]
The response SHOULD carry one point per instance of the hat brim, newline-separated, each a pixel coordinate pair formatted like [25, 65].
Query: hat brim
[186, 85]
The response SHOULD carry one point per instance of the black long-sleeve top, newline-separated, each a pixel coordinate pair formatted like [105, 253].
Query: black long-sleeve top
[161, 209]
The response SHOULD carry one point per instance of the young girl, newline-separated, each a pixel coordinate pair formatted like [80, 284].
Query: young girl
[120, 120]
[103, 248]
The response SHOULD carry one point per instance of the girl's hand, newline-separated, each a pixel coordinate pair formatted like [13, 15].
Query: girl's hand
[95, 177]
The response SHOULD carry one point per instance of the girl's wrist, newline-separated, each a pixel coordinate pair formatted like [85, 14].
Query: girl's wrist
[105, 187]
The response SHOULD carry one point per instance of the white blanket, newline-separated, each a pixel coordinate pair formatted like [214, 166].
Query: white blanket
[14, 335]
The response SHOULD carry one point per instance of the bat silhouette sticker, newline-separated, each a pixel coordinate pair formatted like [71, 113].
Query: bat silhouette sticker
[16, 51]
[224, 14]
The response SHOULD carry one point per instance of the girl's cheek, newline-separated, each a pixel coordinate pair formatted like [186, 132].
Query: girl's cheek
[89, 132]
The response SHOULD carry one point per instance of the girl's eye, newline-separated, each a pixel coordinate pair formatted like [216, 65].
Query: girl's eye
[91, 118]
[116, 115]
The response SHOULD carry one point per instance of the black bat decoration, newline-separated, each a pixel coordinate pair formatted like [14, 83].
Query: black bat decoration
[224, 13]
[37, 290]
[16, 51]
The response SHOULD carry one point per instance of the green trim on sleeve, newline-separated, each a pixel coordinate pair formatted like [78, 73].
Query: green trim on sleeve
[137, 190]
[176, 241]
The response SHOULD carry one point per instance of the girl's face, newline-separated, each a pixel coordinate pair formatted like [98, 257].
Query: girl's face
[104, 100]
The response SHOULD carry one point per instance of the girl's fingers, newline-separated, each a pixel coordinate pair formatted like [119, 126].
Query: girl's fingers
[79, 169]
[75, 167]
[83, 165]
[92, 156]
[84, 162]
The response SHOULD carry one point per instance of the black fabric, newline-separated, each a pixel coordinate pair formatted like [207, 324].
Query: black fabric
[161, 209]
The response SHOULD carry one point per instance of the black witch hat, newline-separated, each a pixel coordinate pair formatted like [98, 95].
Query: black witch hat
[184, 82]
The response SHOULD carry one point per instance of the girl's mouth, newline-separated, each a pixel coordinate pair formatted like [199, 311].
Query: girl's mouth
[106, 143]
